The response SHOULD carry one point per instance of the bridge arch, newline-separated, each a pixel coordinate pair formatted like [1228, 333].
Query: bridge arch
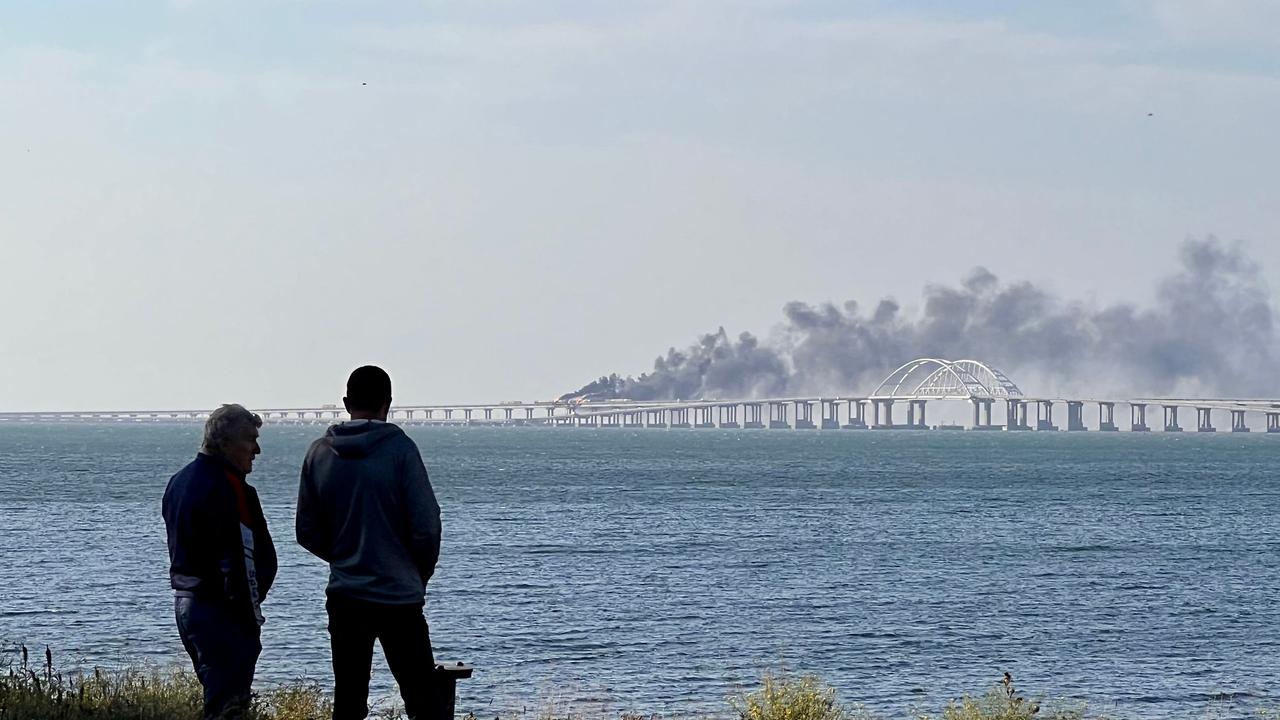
[938, 379]
[997, 382]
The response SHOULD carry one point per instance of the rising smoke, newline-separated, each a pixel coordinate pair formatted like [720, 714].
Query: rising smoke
[1210, 333]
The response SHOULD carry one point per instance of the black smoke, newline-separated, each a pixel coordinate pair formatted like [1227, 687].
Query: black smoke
[1209, 332]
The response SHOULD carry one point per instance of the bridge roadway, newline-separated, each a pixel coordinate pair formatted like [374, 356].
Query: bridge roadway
[795, 413]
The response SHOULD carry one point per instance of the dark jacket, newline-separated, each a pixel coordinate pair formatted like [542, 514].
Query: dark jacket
[366, 507]
[206, 553]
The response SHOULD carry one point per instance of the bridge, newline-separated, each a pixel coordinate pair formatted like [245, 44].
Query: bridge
[913, 386]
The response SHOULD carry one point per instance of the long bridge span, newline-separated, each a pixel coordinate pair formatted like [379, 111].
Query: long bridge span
[899, 402]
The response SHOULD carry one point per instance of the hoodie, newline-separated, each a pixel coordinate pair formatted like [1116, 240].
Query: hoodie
[366, 507]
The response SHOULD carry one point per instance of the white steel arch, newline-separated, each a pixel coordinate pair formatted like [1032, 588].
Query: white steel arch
[997, 382]
[937, 379]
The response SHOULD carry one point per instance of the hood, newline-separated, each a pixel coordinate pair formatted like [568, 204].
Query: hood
[358, 438]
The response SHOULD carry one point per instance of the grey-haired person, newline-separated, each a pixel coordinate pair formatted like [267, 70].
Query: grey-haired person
[221, 559]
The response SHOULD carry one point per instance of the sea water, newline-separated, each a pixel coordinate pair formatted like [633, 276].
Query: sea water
[664, 571]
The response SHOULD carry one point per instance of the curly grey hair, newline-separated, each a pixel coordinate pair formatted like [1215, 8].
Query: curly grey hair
[226, 424]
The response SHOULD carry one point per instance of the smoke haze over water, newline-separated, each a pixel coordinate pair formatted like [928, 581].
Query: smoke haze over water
[1211, 332]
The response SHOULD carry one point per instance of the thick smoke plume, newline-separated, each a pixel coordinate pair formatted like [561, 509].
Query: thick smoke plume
[1210, 332]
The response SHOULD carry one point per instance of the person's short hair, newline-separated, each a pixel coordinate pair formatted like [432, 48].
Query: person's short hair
[226, 424]
[368, 388]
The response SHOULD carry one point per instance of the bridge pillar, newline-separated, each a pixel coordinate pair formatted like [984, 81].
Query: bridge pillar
[633, 419]
[915, 415]
[448, 414]
[1171, 419]
[612, 420]
[656, 418]
[1138, 418]
[729, 416]
[1075, 416]
[804, 415]
[752, 415]
[830, 414]
[1238, 422]
[778, 416]
[885, 423]
[1017, 415]
[1044, 415]
[467, 413]
[1204, 420]
[680, 418]
[1107, 416]
[488, 414]
[982, 413]
[857, 415]
[706, 417]
[1273, 422]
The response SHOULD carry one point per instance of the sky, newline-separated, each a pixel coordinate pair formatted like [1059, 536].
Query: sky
[211, 201]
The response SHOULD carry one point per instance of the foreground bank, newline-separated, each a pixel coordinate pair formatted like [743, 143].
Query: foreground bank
[41, 692]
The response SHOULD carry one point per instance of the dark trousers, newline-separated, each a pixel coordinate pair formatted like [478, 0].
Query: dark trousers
[224, 649]
[406, 642]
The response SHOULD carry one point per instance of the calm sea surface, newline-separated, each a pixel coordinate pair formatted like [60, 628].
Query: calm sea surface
[658, 571]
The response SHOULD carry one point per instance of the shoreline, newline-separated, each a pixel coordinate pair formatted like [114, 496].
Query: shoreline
[32, 687]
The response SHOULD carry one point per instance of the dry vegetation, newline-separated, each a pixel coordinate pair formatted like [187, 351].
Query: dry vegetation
[38, 691]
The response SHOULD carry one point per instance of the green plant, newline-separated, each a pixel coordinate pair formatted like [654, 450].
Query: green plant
[1002, 702]
[802, 698]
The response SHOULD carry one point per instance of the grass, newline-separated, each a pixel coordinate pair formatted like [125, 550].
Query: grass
[41, 692]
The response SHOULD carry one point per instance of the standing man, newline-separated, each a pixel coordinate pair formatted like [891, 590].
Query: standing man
[366, 507]
[221, 559]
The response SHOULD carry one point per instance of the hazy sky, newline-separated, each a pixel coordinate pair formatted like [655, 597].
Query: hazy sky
[214, 201]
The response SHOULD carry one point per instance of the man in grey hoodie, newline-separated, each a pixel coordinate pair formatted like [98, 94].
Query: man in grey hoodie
[366, 507]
